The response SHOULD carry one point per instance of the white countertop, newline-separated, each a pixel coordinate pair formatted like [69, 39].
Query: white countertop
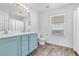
[13, 34]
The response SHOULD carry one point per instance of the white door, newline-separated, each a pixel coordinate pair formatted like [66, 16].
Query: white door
[76, 30]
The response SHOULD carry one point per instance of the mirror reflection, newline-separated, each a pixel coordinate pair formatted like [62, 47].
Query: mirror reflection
[13, 18]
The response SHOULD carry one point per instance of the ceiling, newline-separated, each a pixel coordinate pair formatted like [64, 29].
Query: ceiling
[47, 6]
[8, 7]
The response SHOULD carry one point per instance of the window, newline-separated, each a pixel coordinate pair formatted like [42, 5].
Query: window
[57, 25]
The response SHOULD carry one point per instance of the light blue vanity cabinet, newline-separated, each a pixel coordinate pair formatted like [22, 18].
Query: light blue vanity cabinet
[20, 45]
[9, 46]
[29, 43]
[32, 42]
[24, 45]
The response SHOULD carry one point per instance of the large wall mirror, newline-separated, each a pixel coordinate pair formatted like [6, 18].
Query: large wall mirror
[13, 19]
[16, 24]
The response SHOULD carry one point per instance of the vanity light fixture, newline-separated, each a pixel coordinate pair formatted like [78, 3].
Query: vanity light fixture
[20, 7]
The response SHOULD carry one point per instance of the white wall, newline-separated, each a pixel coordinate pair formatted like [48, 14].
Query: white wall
[67, 40]
[34, 27]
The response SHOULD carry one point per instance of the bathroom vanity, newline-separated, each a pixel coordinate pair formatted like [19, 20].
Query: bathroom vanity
[20, 44]
[16, 39]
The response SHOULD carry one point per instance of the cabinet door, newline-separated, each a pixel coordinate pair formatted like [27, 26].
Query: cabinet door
[32, 42]
[9, 46]
[24, 45]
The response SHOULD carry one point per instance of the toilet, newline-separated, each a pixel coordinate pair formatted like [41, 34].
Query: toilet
[41, 40]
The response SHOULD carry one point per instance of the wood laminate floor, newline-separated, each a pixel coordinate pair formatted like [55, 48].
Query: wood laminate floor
[53, 50]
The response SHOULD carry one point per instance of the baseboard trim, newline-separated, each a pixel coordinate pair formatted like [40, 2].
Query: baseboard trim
[59, 45]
